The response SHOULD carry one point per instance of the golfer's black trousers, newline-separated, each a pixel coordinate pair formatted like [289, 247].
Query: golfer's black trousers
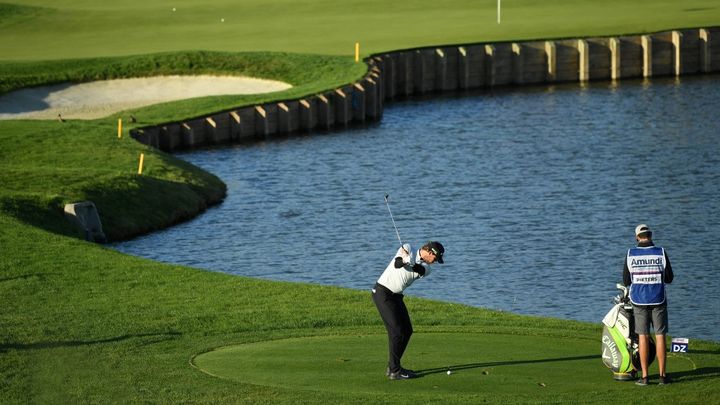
[395, 315]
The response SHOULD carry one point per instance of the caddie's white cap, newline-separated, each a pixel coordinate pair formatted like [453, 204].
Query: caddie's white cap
[642, 228]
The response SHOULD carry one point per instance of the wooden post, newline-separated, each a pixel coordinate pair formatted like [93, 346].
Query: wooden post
[517, 64]
[551, 54]
[357, 103]
[211, 130]
[705, 58]
[261, 121]
[235, 127]
[187, 136]
[325, 114]
[615, 59]
[441, 70]
[343, 111]
[490, 65]
[677, 54]
[646, 43]
[308, 114]
[463, 69]
[584, 60]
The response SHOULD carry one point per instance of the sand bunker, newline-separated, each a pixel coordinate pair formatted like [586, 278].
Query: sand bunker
[99, 99]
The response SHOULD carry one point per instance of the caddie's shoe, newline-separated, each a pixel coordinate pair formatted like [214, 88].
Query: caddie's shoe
[401, 375]
[642, 381]
[664, 379]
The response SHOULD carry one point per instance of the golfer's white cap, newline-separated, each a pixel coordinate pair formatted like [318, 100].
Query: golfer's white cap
[642, 228]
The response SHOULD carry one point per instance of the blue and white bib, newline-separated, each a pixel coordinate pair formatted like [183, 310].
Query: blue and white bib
[647, 267]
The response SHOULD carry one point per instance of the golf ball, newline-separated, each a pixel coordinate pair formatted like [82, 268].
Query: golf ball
[449, 372]
[173, 8]
[222, 20]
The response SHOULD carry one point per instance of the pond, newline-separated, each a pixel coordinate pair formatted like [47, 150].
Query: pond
[535, 193]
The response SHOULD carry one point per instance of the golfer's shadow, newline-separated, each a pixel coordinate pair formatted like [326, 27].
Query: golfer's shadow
[469, 366]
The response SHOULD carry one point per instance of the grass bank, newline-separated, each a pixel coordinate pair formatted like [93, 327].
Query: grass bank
[82, 323]
[46, 164]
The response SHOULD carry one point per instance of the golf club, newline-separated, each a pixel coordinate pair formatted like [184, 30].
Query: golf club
[387, 202]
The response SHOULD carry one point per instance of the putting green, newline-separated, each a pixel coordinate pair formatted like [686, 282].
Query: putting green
[506, 365]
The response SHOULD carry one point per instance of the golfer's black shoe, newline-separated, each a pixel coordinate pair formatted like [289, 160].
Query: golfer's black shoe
[411, 373]
[401, 375]
[642, 381]
[665, 380]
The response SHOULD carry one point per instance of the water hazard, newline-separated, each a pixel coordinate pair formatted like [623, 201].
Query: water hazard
[535, 193]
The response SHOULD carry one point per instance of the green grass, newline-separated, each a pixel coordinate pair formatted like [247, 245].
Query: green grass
[307, 74]
[81, 323]
[485, 367]
[80, 29]
[46, 164]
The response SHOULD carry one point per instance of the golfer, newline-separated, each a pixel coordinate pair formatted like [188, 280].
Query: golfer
[647, 269]
[402, 271]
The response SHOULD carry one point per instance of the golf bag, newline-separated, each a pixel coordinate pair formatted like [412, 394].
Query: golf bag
[620, 351]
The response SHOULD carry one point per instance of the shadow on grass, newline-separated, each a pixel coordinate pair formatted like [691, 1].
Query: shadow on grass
[23, 277]
[469, 366]
[694, 375]
[4, 347]
[705, 351]
[131, 205]
[690, 375]
[39, 212]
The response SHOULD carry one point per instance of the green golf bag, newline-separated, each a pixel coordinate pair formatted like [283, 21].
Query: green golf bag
[620, 351]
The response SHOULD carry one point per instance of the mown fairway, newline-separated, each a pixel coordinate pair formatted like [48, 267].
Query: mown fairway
[81, 323]
[62, 29]
[483, 366]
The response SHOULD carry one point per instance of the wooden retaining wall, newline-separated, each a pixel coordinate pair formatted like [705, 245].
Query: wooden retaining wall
[399, 74]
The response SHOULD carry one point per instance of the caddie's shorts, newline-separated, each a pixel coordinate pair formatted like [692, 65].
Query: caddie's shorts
[647, 314]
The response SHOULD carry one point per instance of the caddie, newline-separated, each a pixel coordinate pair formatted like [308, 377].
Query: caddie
[647, 269]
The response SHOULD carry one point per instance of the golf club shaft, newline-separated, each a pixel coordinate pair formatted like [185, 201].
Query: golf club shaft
[387, 203]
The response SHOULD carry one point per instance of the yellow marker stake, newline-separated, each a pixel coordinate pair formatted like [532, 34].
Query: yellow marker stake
[140, 166]
[357, 52]
[119, 128]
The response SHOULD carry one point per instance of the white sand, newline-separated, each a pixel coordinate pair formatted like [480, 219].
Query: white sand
[99, 99]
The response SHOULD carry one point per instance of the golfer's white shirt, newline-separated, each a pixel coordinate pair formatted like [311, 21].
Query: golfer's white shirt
[397, 280]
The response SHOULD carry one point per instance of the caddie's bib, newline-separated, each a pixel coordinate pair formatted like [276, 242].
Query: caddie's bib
[647, 266]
